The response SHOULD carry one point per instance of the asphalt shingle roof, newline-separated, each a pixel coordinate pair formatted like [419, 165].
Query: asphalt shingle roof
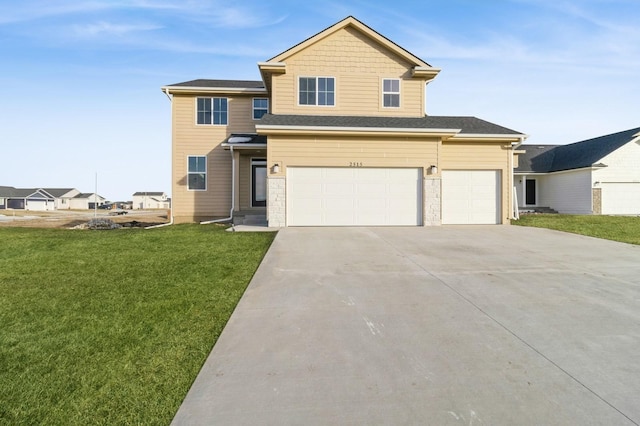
[555, 158]
[150, 194]
[468, 125]
[226, 84]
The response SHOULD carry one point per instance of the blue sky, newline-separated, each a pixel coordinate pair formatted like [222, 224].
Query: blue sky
[81, 79]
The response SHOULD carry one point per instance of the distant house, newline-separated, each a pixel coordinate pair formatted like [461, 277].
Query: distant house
[151, 200]
[26, 199]
[62, 196]
[86, 201]
[594, 176]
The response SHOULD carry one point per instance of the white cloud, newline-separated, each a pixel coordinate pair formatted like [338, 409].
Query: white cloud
[110, 29]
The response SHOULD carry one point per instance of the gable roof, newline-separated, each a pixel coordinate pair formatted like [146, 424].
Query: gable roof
[456, 125]
[587, 153]
[57, 192]
[150, 194]
[351, 21]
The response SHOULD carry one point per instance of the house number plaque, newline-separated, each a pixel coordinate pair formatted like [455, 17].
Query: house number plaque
[355, 163]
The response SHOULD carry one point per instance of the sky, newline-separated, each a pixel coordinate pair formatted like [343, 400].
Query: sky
[81, 79]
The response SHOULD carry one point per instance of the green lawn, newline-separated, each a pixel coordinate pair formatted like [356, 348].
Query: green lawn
[112, 327]
[618, 228]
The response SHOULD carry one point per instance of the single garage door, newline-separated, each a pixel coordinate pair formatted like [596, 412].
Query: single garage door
[621, 198]
[334, 196]
[470, 197]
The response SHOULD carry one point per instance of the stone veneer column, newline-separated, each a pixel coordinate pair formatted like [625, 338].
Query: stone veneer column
[276, 202]
[432, 205]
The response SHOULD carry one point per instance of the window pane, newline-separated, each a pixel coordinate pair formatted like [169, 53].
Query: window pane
[197, 181]
[395, 85]
[386, 85]
[204, 110]
[307, 91]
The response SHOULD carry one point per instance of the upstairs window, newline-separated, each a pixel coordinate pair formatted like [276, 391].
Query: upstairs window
[197, 173]
[213, 111]
[317, 91]
[391, 93]
[260, 107]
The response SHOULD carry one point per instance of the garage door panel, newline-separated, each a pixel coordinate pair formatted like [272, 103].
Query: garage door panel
[621, 198]
[354, 196]
[470, 197]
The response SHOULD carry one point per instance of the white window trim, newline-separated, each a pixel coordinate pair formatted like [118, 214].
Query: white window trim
[253, 108]
[211, 99]
[206, 172]
[335, 91]
[399, 93]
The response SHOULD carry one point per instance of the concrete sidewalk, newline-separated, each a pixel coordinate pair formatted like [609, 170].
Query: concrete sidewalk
[497, 325]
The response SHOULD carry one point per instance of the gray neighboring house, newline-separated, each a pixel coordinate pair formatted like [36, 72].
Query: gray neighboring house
[62, 196]
[594, 176]
[26, 199]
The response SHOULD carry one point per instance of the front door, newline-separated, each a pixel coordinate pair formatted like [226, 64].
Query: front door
[530, 192]
[258, 183]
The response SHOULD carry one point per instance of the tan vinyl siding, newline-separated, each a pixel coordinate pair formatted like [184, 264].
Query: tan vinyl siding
[191, 139]
[358, 65]
[351, 151]
[481, 156]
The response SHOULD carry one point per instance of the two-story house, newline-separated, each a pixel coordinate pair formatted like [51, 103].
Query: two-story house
[336, 134]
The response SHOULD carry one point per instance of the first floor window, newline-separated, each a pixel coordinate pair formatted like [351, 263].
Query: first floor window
[260, 107]
[197, 173]
[317, 91]
[213, 111]
[391, 93]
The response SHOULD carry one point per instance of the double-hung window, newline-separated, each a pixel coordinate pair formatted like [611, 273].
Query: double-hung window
[317, 91]
[391, 93]
[197, 173]
[213, 111]
[260, 107]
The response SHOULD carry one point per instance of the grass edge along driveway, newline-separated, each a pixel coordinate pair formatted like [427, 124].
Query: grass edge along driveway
[625, 229]
[112, 327]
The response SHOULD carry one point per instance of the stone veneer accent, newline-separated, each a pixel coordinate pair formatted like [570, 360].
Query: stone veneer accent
[276, 201]
[432, 203]
[597, 200]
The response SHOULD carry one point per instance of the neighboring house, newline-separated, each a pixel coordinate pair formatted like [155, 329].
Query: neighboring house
[26, 199]
[336, 133]
[62, 196]
[595, 176]
[86, 201]
[150, 200]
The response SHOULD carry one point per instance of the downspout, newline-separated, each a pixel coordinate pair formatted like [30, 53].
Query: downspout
[233, 193]
[166, 92]
[515, 212]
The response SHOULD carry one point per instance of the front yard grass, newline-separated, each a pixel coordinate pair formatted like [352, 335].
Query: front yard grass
[625, 229]
[112, 327]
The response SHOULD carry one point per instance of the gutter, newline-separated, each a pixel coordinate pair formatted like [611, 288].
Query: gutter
[233, 194]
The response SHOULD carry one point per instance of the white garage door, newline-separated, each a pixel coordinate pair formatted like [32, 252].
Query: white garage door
[37, 205]
[470, 197]
[621, 198]
[333, 196]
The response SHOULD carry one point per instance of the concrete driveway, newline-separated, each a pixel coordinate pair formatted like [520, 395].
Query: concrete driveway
[497, 325]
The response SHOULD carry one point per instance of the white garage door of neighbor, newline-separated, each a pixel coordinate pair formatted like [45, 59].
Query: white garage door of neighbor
[37, 205]
[621, 198]
[336, 196]
[470, 197]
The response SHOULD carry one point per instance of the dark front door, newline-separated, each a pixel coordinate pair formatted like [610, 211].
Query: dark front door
[530, 191]
[259, 184]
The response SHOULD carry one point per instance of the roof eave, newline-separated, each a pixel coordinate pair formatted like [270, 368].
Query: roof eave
[214, 90]
[266, 129]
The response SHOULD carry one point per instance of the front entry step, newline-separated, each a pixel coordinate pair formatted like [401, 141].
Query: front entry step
[251, 220]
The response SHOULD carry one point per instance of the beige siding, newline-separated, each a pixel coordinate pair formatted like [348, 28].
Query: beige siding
[191, 139]
[481, 156]
[358, 65]
[351, 151]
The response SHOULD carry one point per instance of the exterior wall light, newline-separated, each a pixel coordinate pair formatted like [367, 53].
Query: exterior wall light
[275, 168]
[434, 169]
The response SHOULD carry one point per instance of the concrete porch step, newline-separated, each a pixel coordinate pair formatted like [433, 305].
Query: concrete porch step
[251, 219]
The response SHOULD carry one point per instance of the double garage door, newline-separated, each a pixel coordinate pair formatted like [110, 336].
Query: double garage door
[337, 196]
[334, 196]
